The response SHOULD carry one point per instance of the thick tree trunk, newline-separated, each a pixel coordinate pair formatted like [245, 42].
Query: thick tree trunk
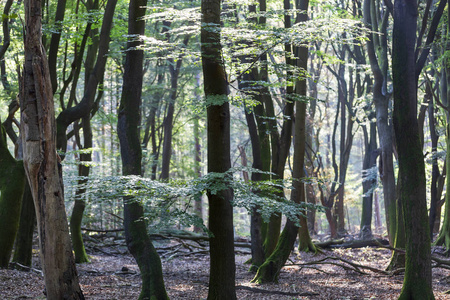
[417, 280]
[12, 183]
[222, 270]
[137, 238]
[41, 163]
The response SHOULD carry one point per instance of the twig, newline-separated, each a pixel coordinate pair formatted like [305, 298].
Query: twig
[27, 268]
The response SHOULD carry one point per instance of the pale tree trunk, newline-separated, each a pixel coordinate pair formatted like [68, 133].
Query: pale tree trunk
[41, 163]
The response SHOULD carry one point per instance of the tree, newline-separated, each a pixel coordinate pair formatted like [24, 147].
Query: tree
[137, 238]
[417, 280]
[38, 131]
[12, 183]
[270, 269]
[222, 270]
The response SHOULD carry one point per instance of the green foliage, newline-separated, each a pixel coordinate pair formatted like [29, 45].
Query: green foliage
[168, 204]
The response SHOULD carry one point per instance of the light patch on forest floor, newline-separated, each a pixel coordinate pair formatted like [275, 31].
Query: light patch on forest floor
[186, 277]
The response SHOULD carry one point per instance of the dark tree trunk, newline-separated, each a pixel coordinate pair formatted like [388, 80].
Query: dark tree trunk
[270, 269]
[222, 270]
[417, 280]
[41, 163]
[83, 108]
[80, 203]
[128, 128]
[12, 183]
[54, 43]
[370, 160]
[23, 249]
[435, 174]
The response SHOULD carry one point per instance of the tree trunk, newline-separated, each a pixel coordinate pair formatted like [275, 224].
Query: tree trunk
[444, 235]
[23, 249]
[304, 240]
[370, 160]
[377, 53]
[198, 204]
[417, 280]
[41, 163]
[222, 269]
[137, 238]
[12, 183]
[269, 271]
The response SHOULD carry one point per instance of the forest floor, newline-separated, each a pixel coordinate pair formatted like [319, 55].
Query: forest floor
[113, 274]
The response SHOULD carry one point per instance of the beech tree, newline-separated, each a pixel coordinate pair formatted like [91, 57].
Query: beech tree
[137, 238]
[222, 270]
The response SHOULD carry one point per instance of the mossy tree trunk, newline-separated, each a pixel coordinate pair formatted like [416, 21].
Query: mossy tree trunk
[12, 183]
[38, 131]
[23, 248]
[128, 128]
[304, 239]
[444, 234]
[222, 261]
[80, 203]
[417, 280]
[270, 269]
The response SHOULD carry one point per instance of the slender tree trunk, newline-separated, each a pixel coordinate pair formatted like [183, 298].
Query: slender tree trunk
[222, 269]
[198, 205]
[417, 280]
[41, 163]
[270, 269]
[377, 53]
[370, 160]
[128, 128]
[304, 239]
[80, 204]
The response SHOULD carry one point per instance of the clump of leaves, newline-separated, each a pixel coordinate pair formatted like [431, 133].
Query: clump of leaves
[168, 204]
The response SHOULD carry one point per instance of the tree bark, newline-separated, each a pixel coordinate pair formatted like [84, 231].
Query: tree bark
[41, 163]
[128, 129]
[23, 249]
[370, 160]
[12, 183]
[417, 280]
[222, 269]
[377, 54]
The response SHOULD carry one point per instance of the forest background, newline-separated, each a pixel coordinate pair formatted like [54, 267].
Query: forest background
[333, 61]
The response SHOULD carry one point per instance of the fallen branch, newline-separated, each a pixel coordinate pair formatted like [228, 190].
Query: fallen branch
[353, 244]
[350, 265]
[101, 230]
[26, 268]
[262, 291]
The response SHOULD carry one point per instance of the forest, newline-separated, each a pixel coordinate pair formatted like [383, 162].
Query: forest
[236, 149]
